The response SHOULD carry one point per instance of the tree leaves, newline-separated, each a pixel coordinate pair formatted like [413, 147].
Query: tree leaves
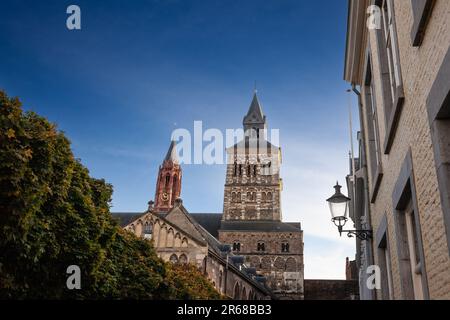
[10, 133]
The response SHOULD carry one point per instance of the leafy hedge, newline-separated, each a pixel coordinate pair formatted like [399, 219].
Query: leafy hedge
[53, 214]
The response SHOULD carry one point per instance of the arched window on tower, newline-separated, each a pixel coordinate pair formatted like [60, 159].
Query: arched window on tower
[256, 131]
[236, 246]
[235, 169]
[284, 246]
[260, 247]
[240, 170]
[167, 180]
[254, 170]
[175, 188]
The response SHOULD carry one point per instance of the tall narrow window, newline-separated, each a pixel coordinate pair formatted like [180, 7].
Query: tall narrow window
[374, 124]
[391, 44]
[384, 261]
[167, 180]
[148, 230]
[373, 141]
[390, 71]
[414, 255]
[411, 258]
[175, 188]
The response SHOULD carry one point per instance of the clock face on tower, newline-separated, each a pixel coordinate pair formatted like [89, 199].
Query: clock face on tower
[164, 196]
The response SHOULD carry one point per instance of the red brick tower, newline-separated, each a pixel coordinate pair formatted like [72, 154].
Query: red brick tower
[168, 186]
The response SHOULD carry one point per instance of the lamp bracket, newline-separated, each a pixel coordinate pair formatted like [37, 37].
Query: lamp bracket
[360, 234]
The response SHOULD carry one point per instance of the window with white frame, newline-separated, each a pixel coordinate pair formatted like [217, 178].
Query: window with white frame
[373, 141]
[414, 254]
[411, 256]
[389, 69]
[384, 261]
[391, 43]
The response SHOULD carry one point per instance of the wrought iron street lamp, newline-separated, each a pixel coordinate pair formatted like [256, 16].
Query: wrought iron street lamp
[339, 207]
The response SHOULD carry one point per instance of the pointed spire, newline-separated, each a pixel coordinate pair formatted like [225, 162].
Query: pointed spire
[172, 153]
[255, 118]
[255, 113]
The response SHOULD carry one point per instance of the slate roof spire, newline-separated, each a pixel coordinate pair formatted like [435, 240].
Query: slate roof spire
[255, 118]
[172, 153]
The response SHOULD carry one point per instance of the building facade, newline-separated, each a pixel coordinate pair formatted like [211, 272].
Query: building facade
[398, 62]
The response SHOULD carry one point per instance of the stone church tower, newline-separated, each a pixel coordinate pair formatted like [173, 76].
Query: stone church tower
[168, 185]
[252, 220]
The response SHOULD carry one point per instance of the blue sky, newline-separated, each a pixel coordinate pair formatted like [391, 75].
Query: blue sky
[137, 70]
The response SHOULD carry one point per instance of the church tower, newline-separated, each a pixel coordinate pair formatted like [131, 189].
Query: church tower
[253, 184]
[168, 185]
[252, 222]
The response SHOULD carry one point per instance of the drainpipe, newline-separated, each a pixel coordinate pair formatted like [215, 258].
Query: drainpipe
[369, 252]
[226, 277]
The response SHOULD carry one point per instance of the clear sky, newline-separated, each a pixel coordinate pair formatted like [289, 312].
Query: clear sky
[137, 70]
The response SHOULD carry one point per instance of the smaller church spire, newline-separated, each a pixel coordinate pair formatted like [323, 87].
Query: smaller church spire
[172, 153]
[168, 184]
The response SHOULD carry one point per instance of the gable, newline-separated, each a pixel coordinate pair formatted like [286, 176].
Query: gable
[179, 217]
[137, 226]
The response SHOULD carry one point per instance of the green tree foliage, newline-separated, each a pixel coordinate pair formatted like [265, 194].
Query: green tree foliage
[186, 282]
[53, 214]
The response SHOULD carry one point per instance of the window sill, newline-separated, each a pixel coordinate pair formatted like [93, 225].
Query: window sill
[376, 184]
[392, 124]
[421, 16]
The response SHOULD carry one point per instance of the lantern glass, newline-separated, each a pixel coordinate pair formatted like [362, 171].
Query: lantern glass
[339, 210]
[339, 205]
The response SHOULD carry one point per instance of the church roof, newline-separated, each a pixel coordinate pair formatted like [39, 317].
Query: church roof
[172, 153]
[255, 113]
[125, 218]
[252, 143]
[263, 226]
[209, 221]
[212, 222]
